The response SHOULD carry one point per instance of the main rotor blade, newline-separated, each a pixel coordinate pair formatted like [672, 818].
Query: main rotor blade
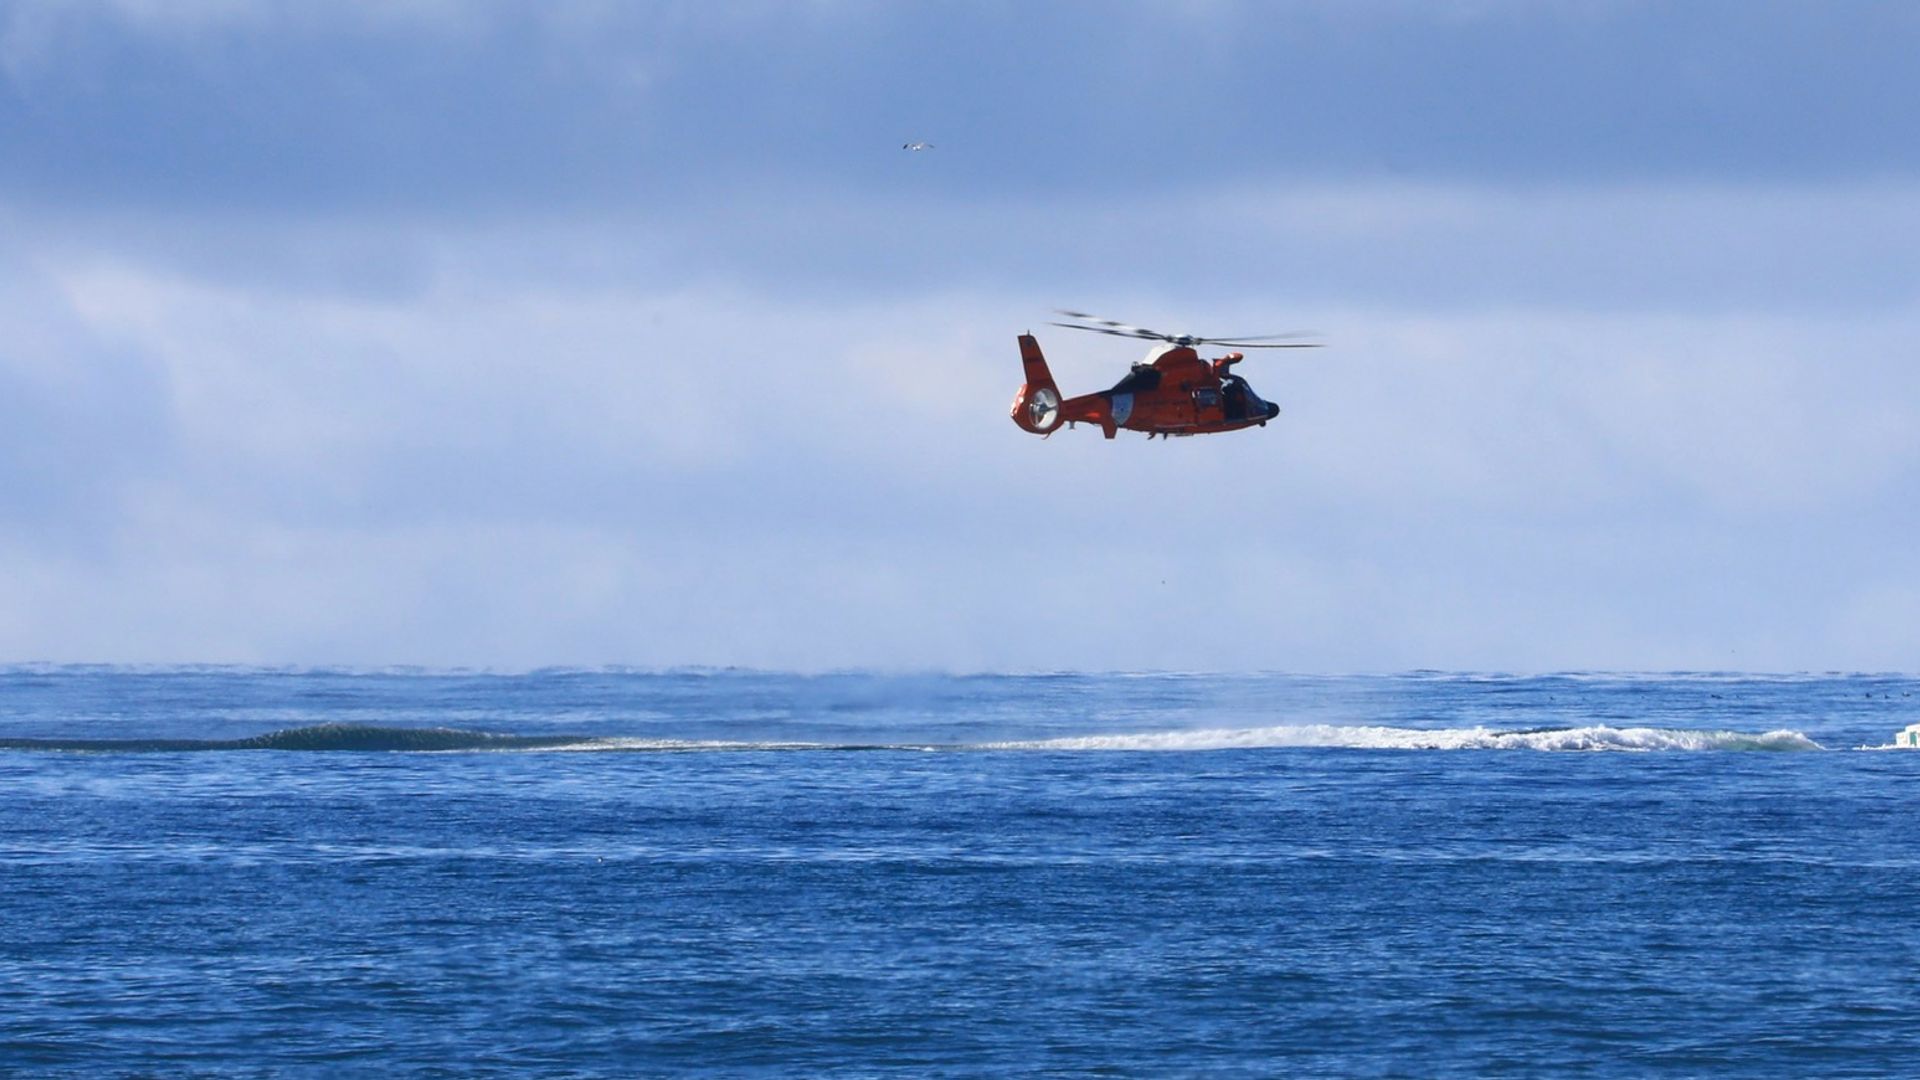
[1227, 339]
[1126, 332]
[1138, 331]
[1269, 345]
[1113, 328]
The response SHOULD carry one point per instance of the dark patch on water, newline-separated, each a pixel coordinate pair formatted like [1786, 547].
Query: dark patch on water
[318, 737]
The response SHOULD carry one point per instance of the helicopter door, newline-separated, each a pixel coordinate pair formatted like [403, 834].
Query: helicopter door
[1206, 401]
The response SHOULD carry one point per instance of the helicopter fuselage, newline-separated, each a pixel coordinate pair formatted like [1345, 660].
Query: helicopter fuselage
[1172, 392]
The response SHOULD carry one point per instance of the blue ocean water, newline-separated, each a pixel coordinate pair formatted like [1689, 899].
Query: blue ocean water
[208, 871]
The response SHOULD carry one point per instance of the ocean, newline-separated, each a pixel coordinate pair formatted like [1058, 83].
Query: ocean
[219, 871]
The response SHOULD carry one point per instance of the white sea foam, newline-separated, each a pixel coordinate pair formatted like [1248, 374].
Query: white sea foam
[1599, 737]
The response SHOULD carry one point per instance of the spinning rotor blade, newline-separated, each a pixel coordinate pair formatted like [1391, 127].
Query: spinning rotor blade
[1268, 345]
[1129, 332]
[1239, 341]
[1095, 318]
[1118, 329]
[1230, 339]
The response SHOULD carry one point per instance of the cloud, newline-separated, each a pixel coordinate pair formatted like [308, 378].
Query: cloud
[531, 452]
[81, 418]
[520, 108]
[1255, 248]
[527, 334]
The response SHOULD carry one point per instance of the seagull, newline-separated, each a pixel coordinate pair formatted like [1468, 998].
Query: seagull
[916, 146]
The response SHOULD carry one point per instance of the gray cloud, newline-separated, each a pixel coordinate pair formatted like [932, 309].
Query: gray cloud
[82, 417]
[493, 466]
[514, 108]
[535, 334]
[1272, 244]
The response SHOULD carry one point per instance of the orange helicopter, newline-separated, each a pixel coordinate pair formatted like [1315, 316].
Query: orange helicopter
[1172, 392]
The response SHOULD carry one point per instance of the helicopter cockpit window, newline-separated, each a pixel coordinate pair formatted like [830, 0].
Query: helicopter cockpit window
[1235, 389]
[1206, 398]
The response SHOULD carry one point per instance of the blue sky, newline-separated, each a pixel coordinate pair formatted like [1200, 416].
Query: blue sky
[583, 333]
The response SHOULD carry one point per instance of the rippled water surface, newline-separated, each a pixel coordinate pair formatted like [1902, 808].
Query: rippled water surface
[606, 873]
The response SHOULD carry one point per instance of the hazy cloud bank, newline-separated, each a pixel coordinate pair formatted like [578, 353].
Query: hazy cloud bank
[529, 334]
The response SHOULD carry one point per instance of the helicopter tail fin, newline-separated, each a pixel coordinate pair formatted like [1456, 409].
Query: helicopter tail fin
[1037, 407]
[1038, 377]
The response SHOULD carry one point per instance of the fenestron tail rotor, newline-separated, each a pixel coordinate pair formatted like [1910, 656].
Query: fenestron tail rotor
[1237, 341]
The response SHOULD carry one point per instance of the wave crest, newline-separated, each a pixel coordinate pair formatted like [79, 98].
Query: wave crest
[371, 738]
[1597, 737]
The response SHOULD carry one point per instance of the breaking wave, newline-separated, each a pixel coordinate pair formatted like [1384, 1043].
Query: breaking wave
[372, 738]
[1598, 737]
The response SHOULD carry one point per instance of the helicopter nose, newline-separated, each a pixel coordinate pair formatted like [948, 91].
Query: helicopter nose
[1272, 410]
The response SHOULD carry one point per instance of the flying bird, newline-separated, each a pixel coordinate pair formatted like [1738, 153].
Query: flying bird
[916, 146]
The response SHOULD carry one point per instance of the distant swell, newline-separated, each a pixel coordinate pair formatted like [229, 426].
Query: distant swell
[361, 737]
[319, 737]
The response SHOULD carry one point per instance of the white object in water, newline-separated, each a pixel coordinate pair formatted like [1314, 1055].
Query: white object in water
[1909, 737]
